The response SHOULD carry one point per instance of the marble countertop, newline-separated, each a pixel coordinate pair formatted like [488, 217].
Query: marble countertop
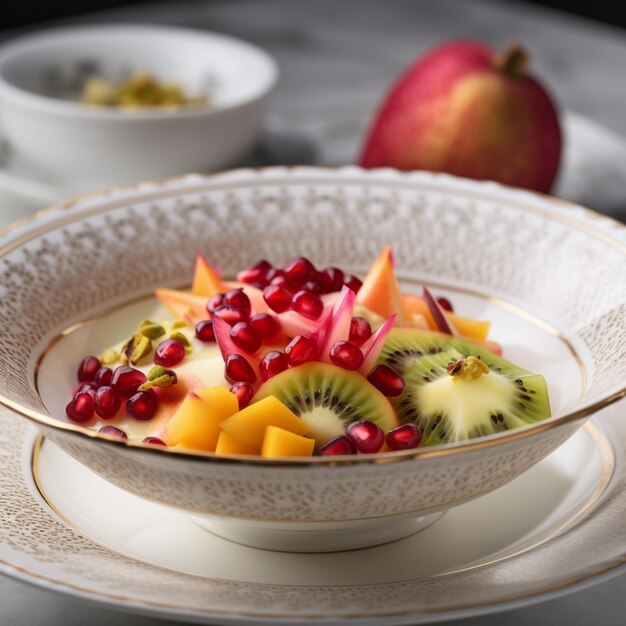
[336, 59]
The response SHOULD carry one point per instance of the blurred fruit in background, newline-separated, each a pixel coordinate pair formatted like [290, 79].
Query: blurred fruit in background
[468, 110]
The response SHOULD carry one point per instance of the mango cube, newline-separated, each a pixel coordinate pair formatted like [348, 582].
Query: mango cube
[250, 423]
[280, 443]
[228, 444]
[196, 422]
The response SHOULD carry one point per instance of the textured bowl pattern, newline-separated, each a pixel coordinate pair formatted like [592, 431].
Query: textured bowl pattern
[563, 263]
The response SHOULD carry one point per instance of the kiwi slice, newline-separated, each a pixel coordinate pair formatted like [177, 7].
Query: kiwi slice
[455, 395]
[328, 398]
[405, 345]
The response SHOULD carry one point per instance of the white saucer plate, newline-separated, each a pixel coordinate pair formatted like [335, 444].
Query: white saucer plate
[559, 526]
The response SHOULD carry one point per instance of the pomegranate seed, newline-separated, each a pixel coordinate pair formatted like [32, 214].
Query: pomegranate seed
[231, 314]
[386, 380]
[237, 298]
[215, 302]
[299, 271]
[366, 436]
[169, 353]
[346, 355]
[445, 304]
[301, 350]
[204, 331]
[277, 298]
[360, 331]
[256, 273]
[107, 402]
[331, 279]
[308, 304]
[126, 380]
[274, 273]
[238, 370]
[142, 405]
[274, 362]
[352, 282]
[281, 281]
[81, 408]
[338, 445]
[244, 393]
[87, 369]
[312, 287]
[155, 441]
[267, 325]
[113, 431]
[404, 437]
[103, 376]
[246, 337]
[89, 388]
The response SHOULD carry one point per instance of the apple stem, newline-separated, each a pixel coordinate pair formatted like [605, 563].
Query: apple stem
[513, 62]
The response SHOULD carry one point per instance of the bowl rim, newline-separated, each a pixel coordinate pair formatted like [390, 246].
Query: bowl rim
[443, 450]
[56, 106]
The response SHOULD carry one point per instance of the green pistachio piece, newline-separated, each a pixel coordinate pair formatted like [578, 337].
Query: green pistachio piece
[142, 346]
[152, 330]
[109, 356]
[135, 349]
[179, 324]
[182, 338]
[159, 377]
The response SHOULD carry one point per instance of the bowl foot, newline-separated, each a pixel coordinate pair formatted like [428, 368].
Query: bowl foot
[316, 536]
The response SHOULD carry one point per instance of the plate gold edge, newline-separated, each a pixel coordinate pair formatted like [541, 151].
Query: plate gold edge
[596, 434]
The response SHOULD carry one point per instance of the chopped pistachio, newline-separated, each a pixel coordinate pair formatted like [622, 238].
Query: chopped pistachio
[156, 371]
[135, 349]
[152, 330]
[142, 347]
[159, 377]
[179, 324]
[182, 338]
[109, 356]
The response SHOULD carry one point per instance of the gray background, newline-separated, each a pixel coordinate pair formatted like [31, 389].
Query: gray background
[337, 57]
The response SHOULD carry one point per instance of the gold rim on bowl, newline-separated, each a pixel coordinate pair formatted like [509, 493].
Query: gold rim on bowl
[443, 450]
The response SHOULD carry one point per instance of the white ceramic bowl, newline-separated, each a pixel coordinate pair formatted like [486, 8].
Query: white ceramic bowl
[82, 146]
[551, 276]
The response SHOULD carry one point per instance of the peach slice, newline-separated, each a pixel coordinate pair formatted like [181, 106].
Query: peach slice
[183, 305]
[206, 280]
[380, 291]
[278, 442]
[413, 305]
[250, 423]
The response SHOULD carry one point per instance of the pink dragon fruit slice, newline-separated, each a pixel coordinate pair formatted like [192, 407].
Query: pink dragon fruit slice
[372, 347]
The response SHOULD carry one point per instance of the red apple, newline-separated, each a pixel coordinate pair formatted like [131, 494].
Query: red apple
[469, 111]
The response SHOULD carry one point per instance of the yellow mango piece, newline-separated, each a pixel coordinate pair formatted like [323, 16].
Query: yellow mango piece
[196, 422]
[472, 329]
[206, 281]
[228, 444]
[279, 443]
[250, 423]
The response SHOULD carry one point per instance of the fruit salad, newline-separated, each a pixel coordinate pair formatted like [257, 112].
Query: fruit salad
[296, 361]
